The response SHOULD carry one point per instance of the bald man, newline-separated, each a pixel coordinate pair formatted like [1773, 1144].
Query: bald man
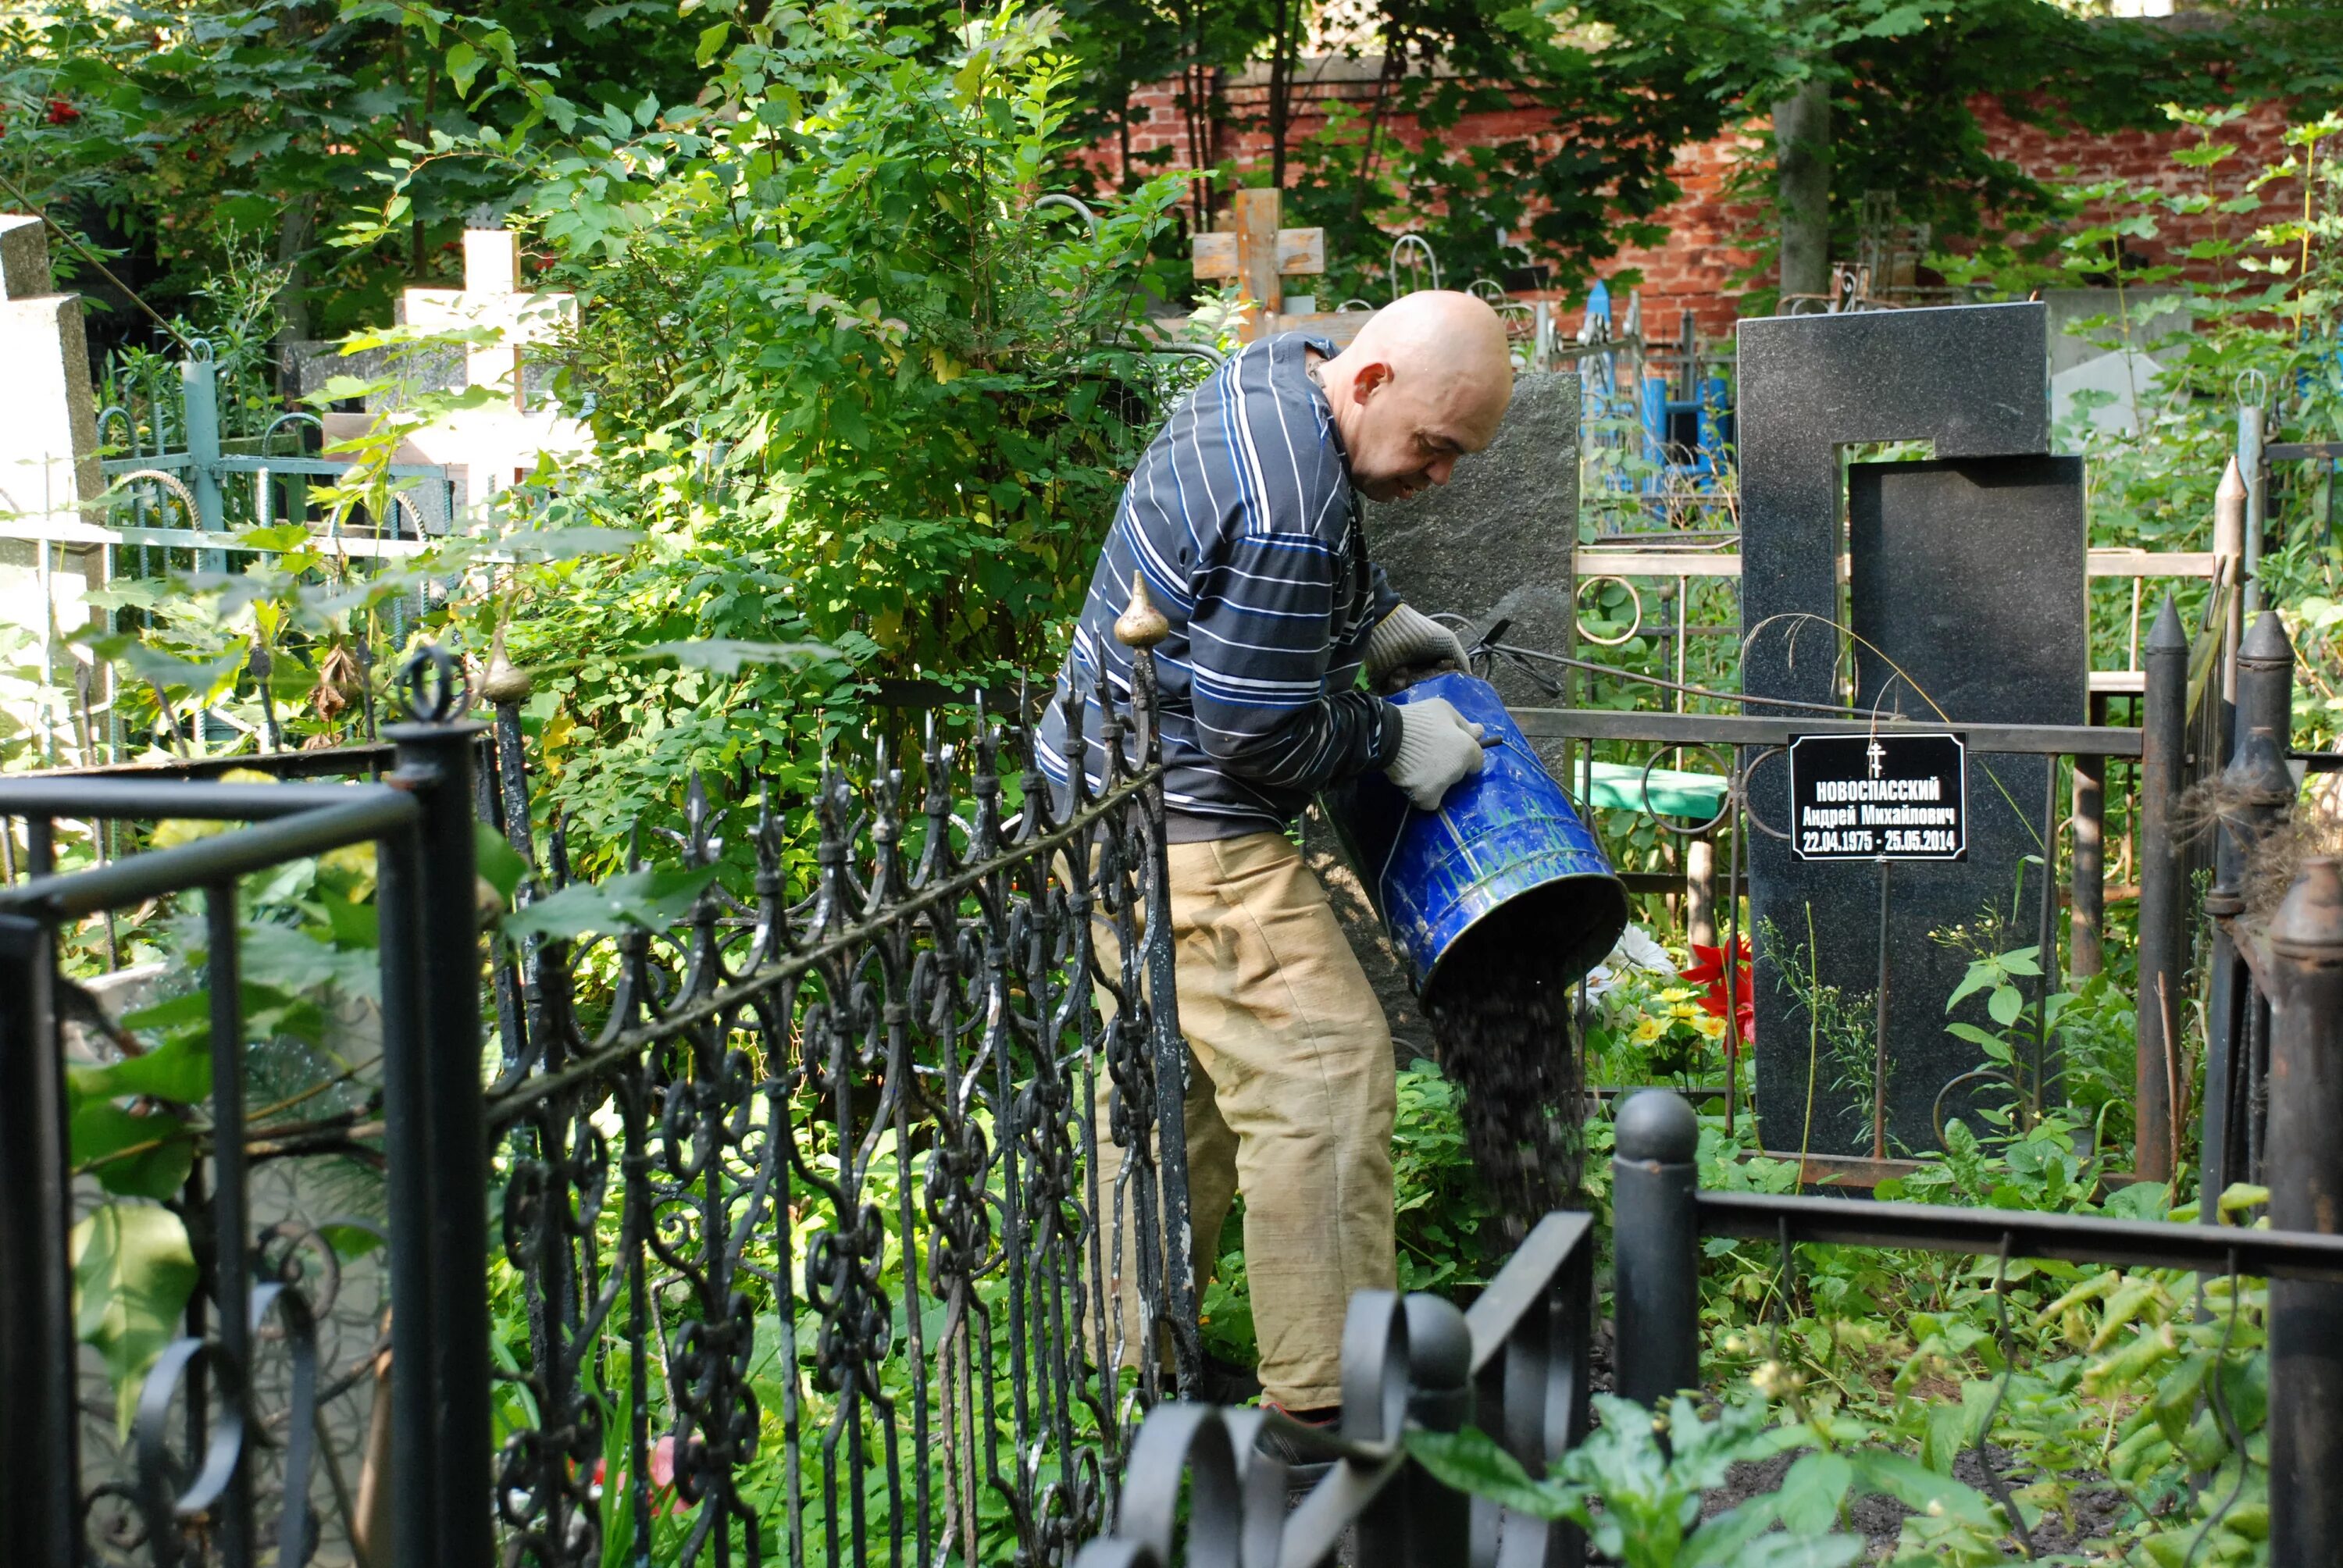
[1243, 517]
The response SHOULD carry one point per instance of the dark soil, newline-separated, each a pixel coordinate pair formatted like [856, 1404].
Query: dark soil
[2097, 1509]
[1501, 1023]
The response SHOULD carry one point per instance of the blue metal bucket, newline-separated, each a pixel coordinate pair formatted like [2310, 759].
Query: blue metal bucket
[1503, 857]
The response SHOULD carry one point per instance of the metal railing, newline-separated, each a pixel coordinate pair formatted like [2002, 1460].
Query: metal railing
[240, 1422]
[774, 1235]
[2173, 747]
[1516, 1365]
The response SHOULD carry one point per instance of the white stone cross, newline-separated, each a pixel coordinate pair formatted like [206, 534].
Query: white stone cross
[492, 297]
[490, 449]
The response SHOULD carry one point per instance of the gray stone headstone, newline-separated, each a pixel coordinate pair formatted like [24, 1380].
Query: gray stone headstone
[1969, 573]
[1494, 542]
[310, 365]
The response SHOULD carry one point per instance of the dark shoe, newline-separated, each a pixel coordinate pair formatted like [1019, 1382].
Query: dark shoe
[1305, 1461]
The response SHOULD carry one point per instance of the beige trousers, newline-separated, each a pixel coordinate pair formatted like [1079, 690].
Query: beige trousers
[1291, 1099]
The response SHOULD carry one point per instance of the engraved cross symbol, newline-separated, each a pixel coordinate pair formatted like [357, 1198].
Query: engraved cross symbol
[1874, 751]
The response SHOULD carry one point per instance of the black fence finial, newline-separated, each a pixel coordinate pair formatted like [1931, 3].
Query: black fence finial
[437, 691]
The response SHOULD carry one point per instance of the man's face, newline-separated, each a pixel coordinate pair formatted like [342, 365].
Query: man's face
[1408, 431]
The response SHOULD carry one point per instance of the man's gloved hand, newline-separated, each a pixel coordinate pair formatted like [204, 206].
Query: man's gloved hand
[1437, 747]
[1407, 639]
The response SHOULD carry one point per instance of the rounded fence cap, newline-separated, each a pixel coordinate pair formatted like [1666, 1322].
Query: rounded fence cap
[1140, 625]
[1655, 1124]
[1439, 1344]
[2309, 922]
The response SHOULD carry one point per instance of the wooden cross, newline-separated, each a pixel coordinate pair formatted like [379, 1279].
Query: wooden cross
[1259, 256]
[492, 297]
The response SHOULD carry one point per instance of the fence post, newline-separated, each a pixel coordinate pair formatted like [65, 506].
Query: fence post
[2249, 460]
[1655, 1248]
[2229, 552]
[2305, 1182]
[39, 1440]
[199, 384]
[1139, 628]
[2266, 679]
[1438, 1521]
[2087, 878]
[2163, 743]
[434, 762]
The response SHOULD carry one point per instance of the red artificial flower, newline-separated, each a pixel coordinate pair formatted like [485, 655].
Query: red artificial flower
[664, 1499]
[62, 113]
[1709, 970]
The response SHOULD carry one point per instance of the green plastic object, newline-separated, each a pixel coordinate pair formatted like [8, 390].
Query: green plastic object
[1625, 787]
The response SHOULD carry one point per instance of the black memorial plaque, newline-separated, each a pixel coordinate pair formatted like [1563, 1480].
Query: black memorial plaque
[1888, 797]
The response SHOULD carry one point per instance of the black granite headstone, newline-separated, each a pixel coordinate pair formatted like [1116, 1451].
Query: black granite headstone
[1968, 578]
[1969, 574]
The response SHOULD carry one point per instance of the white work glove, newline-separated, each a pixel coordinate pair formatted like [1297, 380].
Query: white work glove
[1437, 747]
[1407, 639]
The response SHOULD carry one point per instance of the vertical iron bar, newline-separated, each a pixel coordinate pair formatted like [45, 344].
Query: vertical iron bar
[199, 392]
[2234, 1009]
[1655, 1247]
[2045, 939]
[2249, 458]
[2228, 551]
[40, 1439]
[2265, 680]
[2163, 720]
[1140, 627]
[231, 1281]
[2088, 877]
[2226, 989]
[434, 762]
[1730, 965]
[2306, 1180]
[408, 1176]
[1879, 1029]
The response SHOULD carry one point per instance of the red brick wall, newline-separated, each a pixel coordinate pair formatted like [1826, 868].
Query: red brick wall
[1695, 268]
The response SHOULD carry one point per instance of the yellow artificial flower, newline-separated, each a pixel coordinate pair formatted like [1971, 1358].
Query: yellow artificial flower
[1649, 1030]
[1710, 1028]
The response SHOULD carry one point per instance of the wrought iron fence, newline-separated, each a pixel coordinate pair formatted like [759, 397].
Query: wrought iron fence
[1516, 1366]
[1200, 1491]
[191, 1275]
[801, 1204]
[775, 1235]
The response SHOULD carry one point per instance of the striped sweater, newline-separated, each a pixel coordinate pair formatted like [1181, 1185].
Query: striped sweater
[1242, 519]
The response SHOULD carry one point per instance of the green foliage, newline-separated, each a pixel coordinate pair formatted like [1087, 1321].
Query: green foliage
[133, 1272]
[867, 404]
[189, 133]
[1640, 1502]
[1445, 1229]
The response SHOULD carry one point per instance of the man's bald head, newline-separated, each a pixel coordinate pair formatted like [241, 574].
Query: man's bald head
[1425, 383]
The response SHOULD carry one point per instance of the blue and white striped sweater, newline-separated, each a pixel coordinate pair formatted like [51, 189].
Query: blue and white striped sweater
[1241, 517]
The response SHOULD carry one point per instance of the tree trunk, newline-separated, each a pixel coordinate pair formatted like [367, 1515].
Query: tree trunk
[1802, 166]
[296, 229]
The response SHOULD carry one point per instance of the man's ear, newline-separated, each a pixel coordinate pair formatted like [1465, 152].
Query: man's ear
[1372, 378]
